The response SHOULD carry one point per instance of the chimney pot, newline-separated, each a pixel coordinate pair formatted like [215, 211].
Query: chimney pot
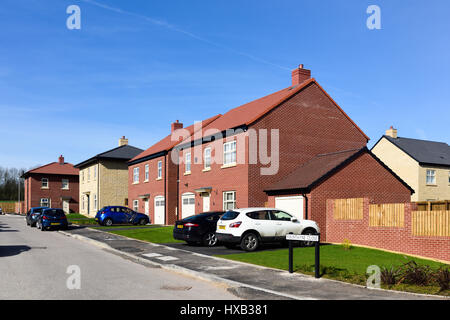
[300, 75]
[176, 125]
[61, 159]
[123, 141]
[392, 132]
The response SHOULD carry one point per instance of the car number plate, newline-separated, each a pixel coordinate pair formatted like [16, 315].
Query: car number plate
[55, 224]
[222, 227]
[180, 226]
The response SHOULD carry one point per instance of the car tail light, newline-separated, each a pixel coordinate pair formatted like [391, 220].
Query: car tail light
[44, 217]
[189, 224]
[236, 224]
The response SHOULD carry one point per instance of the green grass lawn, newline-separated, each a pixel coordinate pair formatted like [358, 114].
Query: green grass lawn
[80, 219]
[337, 263]
[151, 234]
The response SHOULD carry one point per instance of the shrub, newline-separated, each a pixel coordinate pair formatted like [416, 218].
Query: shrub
[415, 274]
[389, 276]
[347, 244]
[442, 277]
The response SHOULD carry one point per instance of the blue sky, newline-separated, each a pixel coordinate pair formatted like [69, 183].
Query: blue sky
[136, 66]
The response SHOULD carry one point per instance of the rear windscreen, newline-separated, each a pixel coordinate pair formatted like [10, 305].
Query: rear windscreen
[54, 213]
[230, 215]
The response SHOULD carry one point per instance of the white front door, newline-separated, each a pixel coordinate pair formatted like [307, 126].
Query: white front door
[146, 207]
[159, 210]
[187, 205]
[66, 207]
[206, 203]
[292, 205]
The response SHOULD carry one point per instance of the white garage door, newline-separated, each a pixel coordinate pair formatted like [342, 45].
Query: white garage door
[159, 210]
[187, 205]
[292, 205]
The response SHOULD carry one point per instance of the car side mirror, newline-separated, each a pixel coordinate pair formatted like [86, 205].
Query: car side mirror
[294, 219]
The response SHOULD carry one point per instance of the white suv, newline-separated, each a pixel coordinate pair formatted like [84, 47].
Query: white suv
[251, 226]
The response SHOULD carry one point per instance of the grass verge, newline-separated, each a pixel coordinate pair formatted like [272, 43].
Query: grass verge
[151, 234]
[339, 264]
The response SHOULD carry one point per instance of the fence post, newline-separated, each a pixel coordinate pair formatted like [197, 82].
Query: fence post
[291, 257]
[317, 256]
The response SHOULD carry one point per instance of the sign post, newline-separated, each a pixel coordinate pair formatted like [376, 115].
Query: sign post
[303, 237]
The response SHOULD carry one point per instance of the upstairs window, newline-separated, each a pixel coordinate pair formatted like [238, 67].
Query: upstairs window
[44, 183]
[229, 153]
[187, 163]
[65, 184]
[431, 176]
[159, 169]
[146, 172]
[136, 175]
[207, 158]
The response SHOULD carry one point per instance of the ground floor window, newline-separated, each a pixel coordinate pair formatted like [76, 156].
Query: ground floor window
[45, 202]
[136, 205]
[95, 202]
[229, 200]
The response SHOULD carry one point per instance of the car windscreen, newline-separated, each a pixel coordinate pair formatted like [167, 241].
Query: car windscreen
[230, 215]
[54, 212]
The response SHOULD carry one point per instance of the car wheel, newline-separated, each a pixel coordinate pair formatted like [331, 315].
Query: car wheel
[210, 239]
[142, 222]
[250, 242]
[308, 232]
[108, 222]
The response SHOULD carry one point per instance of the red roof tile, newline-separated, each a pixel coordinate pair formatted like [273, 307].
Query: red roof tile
[54, 168]
[166, 144]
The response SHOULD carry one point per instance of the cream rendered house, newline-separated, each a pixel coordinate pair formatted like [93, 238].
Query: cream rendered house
[424, 165]
[104, 178]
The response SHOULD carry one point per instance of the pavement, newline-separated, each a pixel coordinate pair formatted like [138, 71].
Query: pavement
[254, 282]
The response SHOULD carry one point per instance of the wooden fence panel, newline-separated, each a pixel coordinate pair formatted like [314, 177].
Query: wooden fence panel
[8, 206]
[387, 215]
[348, 209]
[431, 223]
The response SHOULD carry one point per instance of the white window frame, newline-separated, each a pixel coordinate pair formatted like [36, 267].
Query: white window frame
[46, 183]
[146, 172]
[95, 202]
[207, 158]
[65, 186]
[226, 201]
[136, 175]
[89, 174]
[231, 152]
[82, 203]
[82, 175]
[136, 205]
[95, 172]
[42, 202]
[431, 177]
[159, 169]
[187, 162]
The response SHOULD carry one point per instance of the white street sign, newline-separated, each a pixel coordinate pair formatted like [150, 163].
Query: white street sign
[302, 237]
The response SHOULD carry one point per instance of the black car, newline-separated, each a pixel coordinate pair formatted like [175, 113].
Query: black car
[200, 228]
[33, 214]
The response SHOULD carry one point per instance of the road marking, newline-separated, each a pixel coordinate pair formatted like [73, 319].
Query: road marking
[152, 255]
[167, 258]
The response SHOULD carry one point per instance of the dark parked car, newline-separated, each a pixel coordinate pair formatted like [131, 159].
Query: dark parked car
[200, 228]
[52, 219]
[33, 214]
[110, 215]
[1, 211]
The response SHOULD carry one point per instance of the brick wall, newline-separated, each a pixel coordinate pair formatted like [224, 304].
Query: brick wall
[389, 238]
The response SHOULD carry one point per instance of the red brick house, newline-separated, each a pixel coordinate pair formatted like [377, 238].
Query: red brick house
[54, 185]
[239, 155]
[152, 176]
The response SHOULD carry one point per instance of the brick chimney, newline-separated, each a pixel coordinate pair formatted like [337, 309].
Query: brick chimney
[123, 141]
[300, 74]
[176, 125]
[61, 159]
[391, 132]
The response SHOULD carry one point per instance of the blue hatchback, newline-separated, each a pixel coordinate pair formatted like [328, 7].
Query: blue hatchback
[52, 218]
[110, 215]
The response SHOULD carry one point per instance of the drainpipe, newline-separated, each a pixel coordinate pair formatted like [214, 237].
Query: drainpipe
[306, 205]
